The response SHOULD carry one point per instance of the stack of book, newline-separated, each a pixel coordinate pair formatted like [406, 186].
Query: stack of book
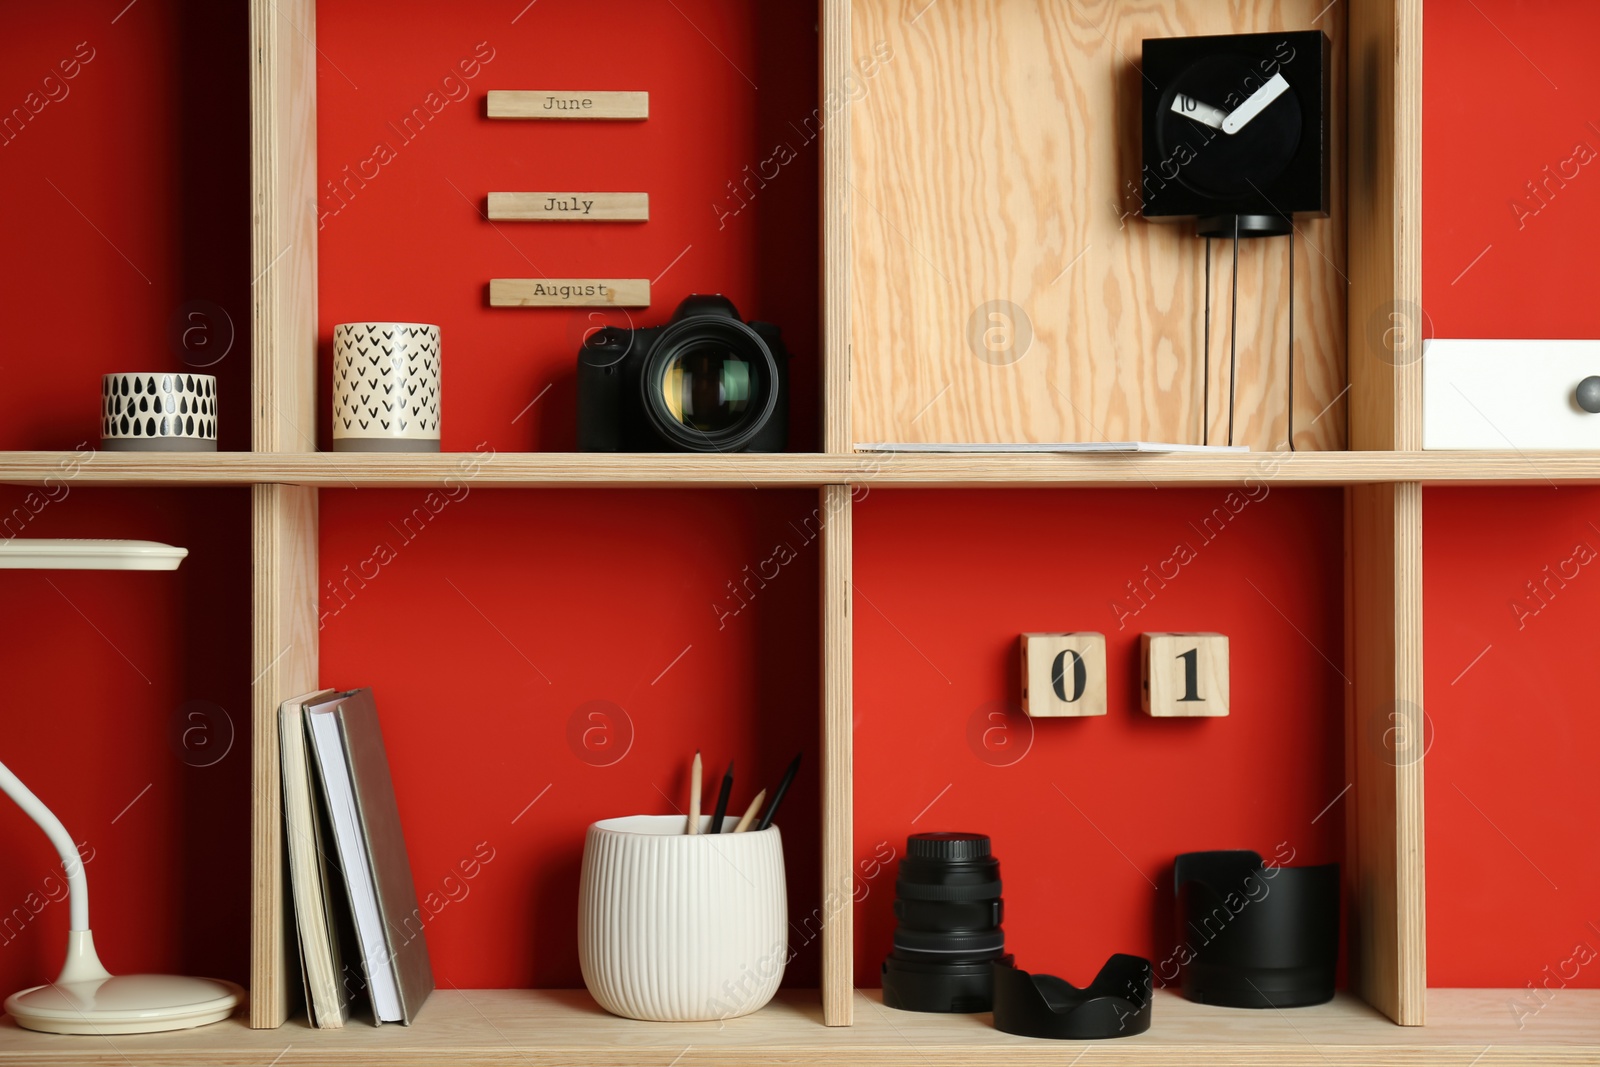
[349, 876]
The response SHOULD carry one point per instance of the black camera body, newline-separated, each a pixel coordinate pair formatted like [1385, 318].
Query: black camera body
[705, 382]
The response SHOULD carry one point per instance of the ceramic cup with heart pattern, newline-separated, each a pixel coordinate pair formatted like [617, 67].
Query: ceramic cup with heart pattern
[386, 387]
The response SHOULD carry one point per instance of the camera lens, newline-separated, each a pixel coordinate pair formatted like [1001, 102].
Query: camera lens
[947, 901]
[707, 387]
[711, 384]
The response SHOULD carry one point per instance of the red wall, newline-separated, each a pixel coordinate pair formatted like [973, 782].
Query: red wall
[490, 622]
[1509, 90]
[1086, 815]
[729, 82]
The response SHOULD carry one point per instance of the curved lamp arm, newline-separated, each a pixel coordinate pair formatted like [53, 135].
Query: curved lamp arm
[71, 862]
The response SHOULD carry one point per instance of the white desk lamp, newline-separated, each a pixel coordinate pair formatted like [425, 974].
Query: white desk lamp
[86, 998]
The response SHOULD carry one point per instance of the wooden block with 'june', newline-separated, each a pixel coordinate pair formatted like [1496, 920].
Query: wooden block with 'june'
[1184, 675]
[570, 207]
[1063, 675]
[569, 292]
[567, 104]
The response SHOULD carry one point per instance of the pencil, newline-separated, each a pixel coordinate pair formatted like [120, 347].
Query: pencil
[750, 813]
[777, 797]
[694, 795]
[722, 801]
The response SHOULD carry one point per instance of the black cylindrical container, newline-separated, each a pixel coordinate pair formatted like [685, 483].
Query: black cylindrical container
[947, 901]
[1258, 936]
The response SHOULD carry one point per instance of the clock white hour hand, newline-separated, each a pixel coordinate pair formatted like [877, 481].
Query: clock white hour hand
[1240, 116]
[1204, 114]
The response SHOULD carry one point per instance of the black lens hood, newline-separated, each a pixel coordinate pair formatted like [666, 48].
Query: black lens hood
[1115, 1004]
[1257, 937]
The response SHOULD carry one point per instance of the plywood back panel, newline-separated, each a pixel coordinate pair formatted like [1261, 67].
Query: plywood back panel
[995, 156]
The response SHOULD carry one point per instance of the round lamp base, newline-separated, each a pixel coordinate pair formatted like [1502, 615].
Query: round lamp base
[124, 1004]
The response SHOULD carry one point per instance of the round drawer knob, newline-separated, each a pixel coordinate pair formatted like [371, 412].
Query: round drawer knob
[1589, 394]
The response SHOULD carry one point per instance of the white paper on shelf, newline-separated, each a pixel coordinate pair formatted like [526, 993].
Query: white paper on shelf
[1027, 447]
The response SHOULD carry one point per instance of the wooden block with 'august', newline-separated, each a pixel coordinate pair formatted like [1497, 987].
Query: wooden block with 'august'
[570, 207]
[1184, 675]
[566, 104]
[1064, 675]
[569, 292]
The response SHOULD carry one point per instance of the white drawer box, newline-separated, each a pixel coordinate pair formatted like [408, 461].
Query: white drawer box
[1507, 394]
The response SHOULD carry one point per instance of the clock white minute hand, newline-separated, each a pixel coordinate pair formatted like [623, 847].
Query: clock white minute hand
[1240, 116]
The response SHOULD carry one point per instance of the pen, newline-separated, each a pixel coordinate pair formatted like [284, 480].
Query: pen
[722, 801]
[777, 797]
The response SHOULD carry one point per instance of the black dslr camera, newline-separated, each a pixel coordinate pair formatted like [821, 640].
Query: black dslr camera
[704, 382]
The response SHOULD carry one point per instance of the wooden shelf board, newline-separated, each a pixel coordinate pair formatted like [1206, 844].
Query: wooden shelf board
[536, 1027]
[755, 470]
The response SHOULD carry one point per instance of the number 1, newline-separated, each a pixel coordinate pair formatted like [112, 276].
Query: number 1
[1191, 677]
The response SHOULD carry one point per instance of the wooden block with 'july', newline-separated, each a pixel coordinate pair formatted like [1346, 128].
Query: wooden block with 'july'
[1184, 675]
[569, 292]
[1063, 675]
[570, 207]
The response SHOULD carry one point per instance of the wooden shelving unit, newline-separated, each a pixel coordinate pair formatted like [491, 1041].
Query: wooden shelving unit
[1383, 470]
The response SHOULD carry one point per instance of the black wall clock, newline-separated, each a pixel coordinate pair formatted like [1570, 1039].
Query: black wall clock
[1236, 131]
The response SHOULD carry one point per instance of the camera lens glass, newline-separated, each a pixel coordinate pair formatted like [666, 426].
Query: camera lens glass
[707, 387]
[947, 901]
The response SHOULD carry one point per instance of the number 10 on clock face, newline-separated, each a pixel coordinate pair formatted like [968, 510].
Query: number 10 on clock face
[1184, 675]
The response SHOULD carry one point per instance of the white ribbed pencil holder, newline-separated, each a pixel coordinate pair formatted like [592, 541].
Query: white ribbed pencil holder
[674, 928]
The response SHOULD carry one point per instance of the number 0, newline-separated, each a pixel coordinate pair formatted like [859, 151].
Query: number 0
[1058, 675]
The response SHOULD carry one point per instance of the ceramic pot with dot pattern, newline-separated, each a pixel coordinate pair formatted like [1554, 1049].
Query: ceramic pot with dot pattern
[152, 411]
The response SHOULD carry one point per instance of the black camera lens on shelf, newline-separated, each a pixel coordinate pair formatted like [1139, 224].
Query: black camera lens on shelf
[947, 901]
[704, 382]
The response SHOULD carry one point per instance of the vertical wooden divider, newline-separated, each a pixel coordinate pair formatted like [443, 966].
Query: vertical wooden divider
[1386, 740]
[283, 140]
[838, 832]
[1386, 728]
[838, 760]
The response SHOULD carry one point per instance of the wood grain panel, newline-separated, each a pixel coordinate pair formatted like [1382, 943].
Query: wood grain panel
[996, 157]
[838, 733]
[283, 664]
[1386, 741]
[834, 23]
[283, 187]
[1387, 322]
